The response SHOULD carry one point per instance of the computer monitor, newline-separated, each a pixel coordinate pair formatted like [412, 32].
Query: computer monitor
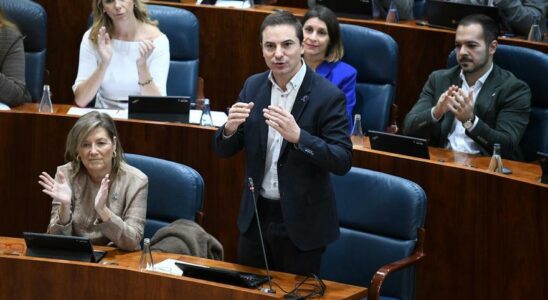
[61, 247]
[232, 277]
[158, 108]
[448, 14]
[399, 144]
[358, 9]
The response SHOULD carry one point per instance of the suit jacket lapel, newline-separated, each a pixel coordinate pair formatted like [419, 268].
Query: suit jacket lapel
[487, 95]
[300, 101]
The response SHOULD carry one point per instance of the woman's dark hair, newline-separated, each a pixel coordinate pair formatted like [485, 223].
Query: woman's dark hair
[335, 49]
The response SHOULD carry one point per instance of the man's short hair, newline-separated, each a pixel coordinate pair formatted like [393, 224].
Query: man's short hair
[489, 26]
[282, 18]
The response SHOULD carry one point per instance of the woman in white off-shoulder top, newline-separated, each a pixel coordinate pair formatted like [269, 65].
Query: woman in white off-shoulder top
[123, 53]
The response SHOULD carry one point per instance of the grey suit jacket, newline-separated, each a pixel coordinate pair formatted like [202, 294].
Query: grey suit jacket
[12, 68]
[502, 106]
[518, 15]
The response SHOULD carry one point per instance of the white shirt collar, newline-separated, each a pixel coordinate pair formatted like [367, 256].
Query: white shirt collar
[481, 80]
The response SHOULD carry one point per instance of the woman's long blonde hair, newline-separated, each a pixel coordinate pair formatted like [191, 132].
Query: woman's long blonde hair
[101, 19]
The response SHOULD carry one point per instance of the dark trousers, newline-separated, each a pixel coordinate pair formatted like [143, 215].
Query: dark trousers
[281, 253]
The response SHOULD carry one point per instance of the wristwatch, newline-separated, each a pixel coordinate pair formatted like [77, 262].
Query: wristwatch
[468, 123]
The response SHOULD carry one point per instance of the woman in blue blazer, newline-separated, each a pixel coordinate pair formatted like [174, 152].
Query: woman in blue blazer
[323, 51]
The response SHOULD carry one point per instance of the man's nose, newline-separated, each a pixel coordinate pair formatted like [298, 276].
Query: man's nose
[278, 52]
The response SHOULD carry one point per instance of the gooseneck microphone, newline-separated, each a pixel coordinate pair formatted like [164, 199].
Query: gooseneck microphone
[251, 187]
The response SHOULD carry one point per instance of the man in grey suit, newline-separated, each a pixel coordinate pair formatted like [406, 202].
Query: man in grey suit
[475, 104]
[517, 15]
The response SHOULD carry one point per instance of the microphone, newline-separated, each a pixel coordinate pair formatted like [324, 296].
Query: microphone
[251, 187]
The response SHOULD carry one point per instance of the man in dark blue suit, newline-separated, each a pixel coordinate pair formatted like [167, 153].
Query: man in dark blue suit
[292, 124]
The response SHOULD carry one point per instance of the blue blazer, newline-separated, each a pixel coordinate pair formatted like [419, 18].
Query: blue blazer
[307, 198]
[343, 76]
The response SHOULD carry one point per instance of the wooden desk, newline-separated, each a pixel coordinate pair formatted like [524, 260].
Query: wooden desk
[32, 278]
[230, 52]
[486, 233]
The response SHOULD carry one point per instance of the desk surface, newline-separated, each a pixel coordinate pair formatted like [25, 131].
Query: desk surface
[118, 277]
[485, 232]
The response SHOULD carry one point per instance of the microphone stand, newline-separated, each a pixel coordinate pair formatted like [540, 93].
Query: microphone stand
[269, 290]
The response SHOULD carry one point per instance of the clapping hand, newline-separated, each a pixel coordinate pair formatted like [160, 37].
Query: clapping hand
[146, 47]
[445, 100]
[59, 191]
[102, 194]
[462, 105]
[104, 46]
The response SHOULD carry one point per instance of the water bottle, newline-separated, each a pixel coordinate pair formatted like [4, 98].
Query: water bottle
[495, 165]
[249, 3]
[205, 119]
[146, 263]
[45, 103]
[392, 14]
[535, 34]
[357, 133]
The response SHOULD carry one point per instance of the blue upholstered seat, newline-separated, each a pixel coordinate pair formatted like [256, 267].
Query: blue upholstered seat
[175, 191]
[31, 19]
[381, 218]
[531, 66]
[182, 29]
[374, 54]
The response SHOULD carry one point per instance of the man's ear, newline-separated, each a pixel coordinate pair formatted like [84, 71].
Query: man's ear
[493, 47]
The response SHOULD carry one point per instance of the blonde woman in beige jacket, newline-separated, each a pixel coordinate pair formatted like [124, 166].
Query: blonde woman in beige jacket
[96, 194]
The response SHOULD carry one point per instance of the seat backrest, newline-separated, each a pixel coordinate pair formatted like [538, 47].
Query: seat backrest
[379, 215]
[374, 54]
[175, 191]
[531, 66]
[182, 29]
[31, 19]
[183, 32]
[419, 6]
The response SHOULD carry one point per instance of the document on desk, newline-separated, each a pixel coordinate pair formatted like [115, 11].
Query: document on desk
[4, 106]
[168, 266]
[219, 118]
[113, 113]
[228, 3]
